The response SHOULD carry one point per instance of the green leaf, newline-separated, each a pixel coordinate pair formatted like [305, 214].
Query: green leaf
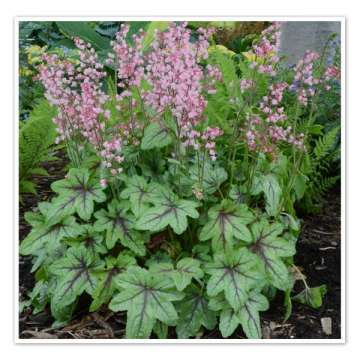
[75, 273]
[146, 299]
[155, 136]
[270, 248]
[140, 193]
[213, 178]
[194, 313]
[227, 222]
[119, 224]
[106, 285]
[186, 269]
[234, 274]
[170, 211]
[77, 193]
[83, 30]
[229, 321]
[249, 314]
[150, 31]
[48, 234]
[272, 192]
[311, 296]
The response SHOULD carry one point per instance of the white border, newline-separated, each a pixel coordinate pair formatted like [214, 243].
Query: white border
[342, 340]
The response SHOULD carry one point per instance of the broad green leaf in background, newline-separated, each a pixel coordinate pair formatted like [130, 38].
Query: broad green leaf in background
[119, 224]
[146, 299]
[227, 222]
[155, 136]
[150, 32]
[269, 185]
[234, 274]
[77, 193]
[84, 31]
[270, 248]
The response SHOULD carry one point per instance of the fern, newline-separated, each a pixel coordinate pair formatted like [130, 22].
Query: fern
[36, 136]
[325, 144]
[319, 168]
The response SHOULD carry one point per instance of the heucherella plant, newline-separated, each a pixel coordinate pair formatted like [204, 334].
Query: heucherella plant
[178, 209]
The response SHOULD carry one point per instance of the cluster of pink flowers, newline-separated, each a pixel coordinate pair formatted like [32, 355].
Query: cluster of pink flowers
[261, 136]
[213, 75]
[266, 50]
[270, 104]
[246, 84]
[111, 155]
[331, 73]
[204, 140]
[175, 76]
[304, 77]
[128, 60]
[75, 88]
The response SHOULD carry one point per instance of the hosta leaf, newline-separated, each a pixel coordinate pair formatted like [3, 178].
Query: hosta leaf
[76, 194]
[119, 225]
[76, 273]
[186, 269]
[169, 211]
[270, 248]
[194, 313]
[227, 222]
[140, 193]
[249, 314]
[146, 299]
[49, 235]
[106, 285]
[234, 274]
[155, 136]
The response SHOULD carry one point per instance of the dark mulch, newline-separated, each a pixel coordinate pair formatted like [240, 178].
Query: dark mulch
[318, 257]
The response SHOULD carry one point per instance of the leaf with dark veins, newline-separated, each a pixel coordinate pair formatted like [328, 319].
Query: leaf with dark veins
[234, 274]
[140, 193]
[77, 193]
[168, 211]
[119, 224]
[75, 273]
[49, 235]
[194, 313]
[270, 248]
[249, 314]
[146, 299]
[106, 285]
[185, 270]
[226, 223]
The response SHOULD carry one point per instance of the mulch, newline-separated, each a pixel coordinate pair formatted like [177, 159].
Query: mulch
[318, 256]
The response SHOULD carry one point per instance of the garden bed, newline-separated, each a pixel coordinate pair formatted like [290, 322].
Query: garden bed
[318, 256]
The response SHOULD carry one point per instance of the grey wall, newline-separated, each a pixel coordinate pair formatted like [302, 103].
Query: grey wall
[299, 36]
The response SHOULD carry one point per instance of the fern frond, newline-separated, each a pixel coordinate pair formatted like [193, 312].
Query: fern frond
[36, 136]
[325, 144]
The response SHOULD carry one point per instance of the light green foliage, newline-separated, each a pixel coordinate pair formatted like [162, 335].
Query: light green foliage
[35, 139]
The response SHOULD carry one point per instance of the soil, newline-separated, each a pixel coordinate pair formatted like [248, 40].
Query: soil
[318, 257]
